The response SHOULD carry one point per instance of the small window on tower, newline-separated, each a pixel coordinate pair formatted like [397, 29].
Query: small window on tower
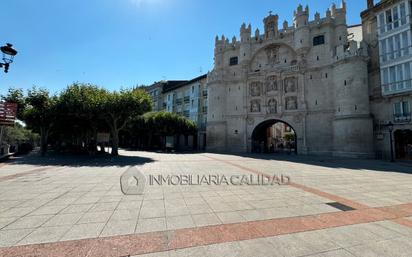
[319, 40]
[233, 61]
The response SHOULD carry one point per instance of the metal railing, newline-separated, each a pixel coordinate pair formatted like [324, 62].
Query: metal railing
[402, 117]
[397, 86]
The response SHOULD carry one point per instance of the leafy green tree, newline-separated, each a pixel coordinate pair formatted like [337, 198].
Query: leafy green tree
[119, 108]
[40, 114]
[79, 107]
[19, 134]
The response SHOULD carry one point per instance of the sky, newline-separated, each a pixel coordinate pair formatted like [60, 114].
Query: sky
[122, 43]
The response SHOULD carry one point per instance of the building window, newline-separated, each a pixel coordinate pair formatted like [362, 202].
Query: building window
[233, 61]
[319, 40]
[396, 78]
[392, 18]
[401, 111]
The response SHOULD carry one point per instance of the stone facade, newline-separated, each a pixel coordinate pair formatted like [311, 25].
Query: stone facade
[308, 75]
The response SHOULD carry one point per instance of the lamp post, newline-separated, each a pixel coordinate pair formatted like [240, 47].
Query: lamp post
[390, 128]
[8, 55]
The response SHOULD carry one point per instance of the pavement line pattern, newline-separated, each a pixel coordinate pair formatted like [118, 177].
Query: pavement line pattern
[154, 242]
[329, 196]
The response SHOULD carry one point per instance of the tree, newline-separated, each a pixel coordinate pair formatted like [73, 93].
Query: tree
[167, 123]
[40, 114]
[78, 106]
[119, 108]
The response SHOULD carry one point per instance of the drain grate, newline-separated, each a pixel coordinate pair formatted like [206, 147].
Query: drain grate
[341, 206]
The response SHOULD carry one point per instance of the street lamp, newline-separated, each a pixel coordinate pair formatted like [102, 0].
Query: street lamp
[390, 128]
[8, 55]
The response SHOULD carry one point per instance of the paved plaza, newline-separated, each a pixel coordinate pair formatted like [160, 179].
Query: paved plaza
[65, 206]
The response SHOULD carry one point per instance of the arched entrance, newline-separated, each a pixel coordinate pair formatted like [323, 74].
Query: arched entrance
[274, 136]
[403, 144]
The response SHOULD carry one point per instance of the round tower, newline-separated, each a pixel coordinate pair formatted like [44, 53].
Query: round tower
[302, 31]
[352, 125]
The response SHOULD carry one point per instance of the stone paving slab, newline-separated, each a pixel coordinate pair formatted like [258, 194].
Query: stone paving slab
[79, 203]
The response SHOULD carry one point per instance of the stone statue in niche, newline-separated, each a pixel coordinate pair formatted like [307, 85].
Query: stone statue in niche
[255, 106]
[255, 89]
[290, 85]
[272, 106]
[272, 54]
[291, 103]
[271, 84]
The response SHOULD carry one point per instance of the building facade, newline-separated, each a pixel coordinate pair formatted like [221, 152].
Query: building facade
[186, 98]
[387, 32]
[308, 75]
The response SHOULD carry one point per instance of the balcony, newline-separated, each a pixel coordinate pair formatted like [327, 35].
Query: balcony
[205, 94]
[402, 118]
[397, 87]
[179, 101]
[187, 99]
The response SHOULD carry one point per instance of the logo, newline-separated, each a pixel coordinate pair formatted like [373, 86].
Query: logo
[132, 182]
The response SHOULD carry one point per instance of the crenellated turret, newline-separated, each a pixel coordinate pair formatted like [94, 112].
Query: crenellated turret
[271, 26]
[245, 42]
[245, 33]
[302, 30]
[341, 29]
[301, 17]
[219, 47]
[352, 125]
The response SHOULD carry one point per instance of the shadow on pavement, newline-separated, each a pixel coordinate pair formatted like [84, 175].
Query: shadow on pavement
[332, 162]
[79, 160]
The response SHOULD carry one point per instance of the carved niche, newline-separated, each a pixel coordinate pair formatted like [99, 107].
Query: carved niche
[272, 106]
[291, 103]
[272, 53]
[290, 85]
[255, 105]
[255, 88]
[271, 84]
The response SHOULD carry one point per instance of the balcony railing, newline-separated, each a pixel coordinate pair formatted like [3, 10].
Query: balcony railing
[397, 87]
[179, 101]
[402, 117]
[187, 99]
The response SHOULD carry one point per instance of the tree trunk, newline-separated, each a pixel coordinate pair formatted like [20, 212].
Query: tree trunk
[43, 140]
[115, 142]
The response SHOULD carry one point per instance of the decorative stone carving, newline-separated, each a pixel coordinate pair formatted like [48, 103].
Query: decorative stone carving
[291, 103]
[271, 84]
[255, 89]
[272, 53]
[290, 85]
[255, 106]
[272, 106]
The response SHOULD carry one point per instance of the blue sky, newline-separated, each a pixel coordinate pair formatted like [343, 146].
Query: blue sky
[121, 43]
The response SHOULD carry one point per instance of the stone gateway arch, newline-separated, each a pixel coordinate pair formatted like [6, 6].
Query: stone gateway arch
[308, 75]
